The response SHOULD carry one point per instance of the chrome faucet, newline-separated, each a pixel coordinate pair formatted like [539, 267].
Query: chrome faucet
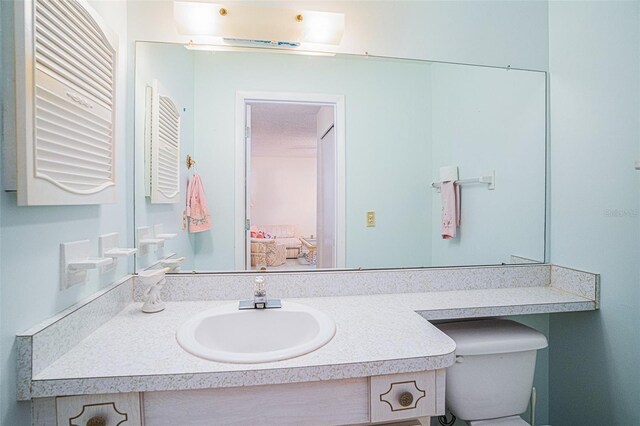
[260, 300]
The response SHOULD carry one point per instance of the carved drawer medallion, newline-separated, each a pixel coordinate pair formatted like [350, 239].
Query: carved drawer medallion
[121, 409]
[403, 395]
[105, 414]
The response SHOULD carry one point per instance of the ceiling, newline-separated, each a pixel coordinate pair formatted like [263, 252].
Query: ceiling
[283, 130]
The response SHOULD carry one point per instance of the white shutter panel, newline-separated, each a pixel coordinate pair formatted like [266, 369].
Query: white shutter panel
[66, 141]
[163, 141]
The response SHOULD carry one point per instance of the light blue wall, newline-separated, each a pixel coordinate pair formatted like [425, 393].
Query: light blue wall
[494, 33]
[541, 376]
[490, 119]
[172, 66]
[29, 265]
[595, 208]
[387, 148]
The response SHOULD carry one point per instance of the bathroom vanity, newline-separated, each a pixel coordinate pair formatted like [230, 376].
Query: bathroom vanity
[386, 362]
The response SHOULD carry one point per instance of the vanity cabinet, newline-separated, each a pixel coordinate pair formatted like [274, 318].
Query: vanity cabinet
[387, 398]
[360, 401]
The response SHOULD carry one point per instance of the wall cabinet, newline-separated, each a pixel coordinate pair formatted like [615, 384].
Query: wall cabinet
[65, 105]
[162, 146]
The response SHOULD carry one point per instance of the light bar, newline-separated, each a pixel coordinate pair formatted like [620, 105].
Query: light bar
[258, 23]
[219, 48]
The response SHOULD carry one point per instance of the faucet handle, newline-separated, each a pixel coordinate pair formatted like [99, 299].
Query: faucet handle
[260, 300]
[259, 287]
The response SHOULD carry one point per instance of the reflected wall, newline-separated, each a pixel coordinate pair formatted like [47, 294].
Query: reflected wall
[404, 120]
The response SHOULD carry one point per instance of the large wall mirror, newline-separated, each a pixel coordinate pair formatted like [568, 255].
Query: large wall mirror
[314, 162]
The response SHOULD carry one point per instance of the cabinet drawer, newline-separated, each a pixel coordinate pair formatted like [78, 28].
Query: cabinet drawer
[406, 396]
[122, 409]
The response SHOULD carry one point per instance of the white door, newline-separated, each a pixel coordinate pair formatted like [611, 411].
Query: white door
[247, 186]
[326, 209]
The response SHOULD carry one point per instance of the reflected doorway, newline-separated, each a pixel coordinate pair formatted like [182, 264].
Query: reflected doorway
[291, 180]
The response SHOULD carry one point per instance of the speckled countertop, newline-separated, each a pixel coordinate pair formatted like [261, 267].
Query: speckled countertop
[376, 334]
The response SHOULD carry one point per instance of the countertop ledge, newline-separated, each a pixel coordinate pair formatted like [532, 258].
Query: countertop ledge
[376, 334]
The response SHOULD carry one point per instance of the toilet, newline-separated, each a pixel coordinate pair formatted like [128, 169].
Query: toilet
[490, 382]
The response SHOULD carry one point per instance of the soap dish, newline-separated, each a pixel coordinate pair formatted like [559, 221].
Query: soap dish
[172, 263]
[166, 236]
[75, 262]
[109, 246]
[120, 252]
[152, 276]
[151, 241]
[88, 263]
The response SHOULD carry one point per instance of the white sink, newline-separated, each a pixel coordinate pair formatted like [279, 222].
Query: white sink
[227, 334]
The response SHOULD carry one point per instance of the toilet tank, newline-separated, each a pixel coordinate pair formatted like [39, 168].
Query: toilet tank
[493, 373]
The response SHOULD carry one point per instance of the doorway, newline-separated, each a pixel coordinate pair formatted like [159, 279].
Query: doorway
[292, 170]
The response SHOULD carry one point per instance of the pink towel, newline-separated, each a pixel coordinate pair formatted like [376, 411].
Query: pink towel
[450, 193]
[197, 211]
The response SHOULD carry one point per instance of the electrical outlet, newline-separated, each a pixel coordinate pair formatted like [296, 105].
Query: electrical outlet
[371, 219]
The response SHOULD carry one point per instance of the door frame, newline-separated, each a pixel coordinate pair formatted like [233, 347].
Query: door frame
[241, 186]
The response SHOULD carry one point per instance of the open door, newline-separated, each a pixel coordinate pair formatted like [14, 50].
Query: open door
[247, 186]
[328, 233]
[326, 205]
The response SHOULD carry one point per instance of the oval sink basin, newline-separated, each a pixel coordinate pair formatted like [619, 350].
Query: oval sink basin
[227, 334]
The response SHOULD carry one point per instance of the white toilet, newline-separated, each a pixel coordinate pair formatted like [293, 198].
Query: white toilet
[490, 382]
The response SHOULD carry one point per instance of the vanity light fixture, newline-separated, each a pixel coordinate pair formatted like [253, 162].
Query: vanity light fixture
[258, 25]
[270, 49]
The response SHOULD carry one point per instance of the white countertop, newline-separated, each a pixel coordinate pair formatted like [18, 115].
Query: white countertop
[376, 334]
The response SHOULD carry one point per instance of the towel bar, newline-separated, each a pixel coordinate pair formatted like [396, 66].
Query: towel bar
[489, 179]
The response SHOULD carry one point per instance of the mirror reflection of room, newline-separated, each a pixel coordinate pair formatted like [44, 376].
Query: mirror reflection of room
[291, 180]
[487, 124]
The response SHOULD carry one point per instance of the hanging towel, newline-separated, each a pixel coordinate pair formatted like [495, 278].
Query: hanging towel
[450, 193]
[197, 210]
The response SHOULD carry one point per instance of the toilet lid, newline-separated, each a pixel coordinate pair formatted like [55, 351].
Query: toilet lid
[492, 336]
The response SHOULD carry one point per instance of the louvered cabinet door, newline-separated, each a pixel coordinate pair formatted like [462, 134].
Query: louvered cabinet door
[163, 147]
[66, 78]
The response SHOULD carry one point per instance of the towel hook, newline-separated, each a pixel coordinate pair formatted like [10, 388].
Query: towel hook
[190, 161]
